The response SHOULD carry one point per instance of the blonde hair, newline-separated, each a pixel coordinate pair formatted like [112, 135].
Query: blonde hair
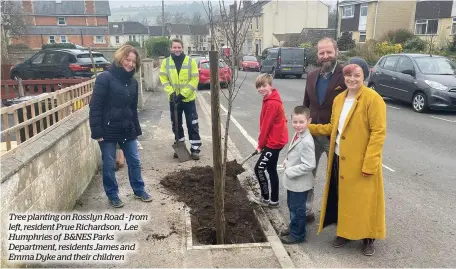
[123, 52]
[263, 79]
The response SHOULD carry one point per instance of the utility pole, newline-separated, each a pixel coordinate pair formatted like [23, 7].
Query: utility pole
[219, 184]
[336, 32]
[163, 18]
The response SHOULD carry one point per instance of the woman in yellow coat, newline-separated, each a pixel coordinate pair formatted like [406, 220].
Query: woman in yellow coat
[354, 195]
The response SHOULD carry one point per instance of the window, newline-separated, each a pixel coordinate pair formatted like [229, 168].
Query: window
[204, 48]
[348, 12]
[99, 39]
[51, 39]
[363, 11]
[63, 39]
[51, 58]
[134, 38]
[38, 59]
[426, 27]
[257, 21]
[117, 40]
[362, 36]
[403, 64]
[390, 63]
[251, 26]
[435, 65]
[61, 21]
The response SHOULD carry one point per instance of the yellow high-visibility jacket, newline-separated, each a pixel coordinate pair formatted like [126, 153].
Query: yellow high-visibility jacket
[184, 83]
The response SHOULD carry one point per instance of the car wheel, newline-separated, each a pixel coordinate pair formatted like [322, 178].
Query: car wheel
[15, 76]
[419, 102]
[298, 76]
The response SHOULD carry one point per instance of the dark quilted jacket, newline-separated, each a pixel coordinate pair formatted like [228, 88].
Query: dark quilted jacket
[113, 112]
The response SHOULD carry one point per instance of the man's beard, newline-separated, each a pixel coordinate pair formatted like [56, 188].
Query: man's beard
[326, 66]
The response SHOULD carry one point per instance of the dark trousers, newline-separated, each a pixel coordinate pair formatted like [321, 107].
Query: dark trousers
[108, 156]
[268, 162]
[191, 119]
[333, 194]
[297, 205]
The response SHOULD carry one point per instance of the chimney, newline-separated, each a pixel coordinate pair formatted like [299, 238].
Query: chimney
[27, 6]
[89, 6]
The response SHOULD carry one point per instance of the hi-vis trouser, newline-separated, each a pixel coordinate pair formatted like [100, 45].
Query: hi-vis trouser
[185, 83]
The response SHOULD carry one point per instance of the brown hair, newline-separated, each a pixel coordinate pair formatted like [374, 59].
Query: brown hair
[262, 80]
[123, 52]
[177, 40]
[301, 110]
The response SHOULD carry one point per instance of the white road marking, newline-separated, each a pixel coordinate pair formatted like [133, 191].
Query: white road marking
[253, 142]
[390, 169]
[394, 107]
[454, 121]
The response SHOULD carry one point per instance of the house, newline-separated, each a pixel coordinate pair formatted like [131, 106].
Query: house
[82, 22]
[371, 19]
[124, 31]
[435, 21]
[271, 22]
[157, 31]
[195, 37]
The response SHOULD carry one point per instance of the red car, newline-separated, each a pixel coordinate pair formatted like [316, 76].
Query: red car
[205, 77]
[249, 63]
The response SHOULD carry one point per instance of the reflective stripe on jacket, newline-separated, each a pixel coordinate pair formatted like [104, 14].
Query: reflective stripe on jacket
[184, 83]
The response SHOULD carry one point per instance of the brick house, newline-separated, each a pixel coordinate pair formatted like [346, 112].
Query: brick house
[83, 23]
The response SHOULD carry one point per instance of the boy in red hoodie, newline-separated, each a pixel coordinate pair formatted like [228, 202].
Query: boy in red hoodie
[273, 137]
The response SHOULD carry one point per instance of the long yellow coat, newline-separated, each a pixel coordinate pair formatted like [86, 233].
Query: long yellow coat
[361, 206]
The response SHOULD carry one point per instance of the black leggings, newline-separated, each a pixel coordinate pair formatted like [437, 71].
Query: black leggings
[332, 203]
[268, 161]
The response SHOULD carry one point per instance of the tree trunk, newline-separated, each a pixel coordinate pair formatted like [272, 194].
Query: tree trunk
[219, 178]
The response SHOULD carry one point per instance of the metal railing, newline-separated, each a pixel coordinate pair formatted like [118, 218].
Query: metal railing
[27, 121]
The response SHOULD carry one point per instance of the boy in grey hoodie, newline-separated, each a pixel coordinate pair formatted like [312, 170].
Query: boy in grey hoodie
[298, 178]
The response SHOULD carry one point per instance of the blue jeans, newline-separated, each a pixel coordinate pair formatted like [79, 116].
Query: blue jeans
[297, 205]
[108, 155]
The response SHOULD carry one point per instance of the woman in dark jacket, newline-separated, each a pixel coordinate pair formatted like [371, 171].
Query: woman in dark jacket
[114, 121]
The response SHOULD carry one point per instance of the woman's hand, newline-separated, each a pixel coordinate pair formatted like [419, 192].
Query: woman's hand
[100, 139]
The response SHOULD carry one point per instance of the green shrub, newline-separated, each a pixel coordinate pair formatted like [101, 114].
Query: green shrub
[306, 45]
[311, 56]
[59, 46]
[415, 44]
[367, 51]
[157, 46]
[18, 46]
[384, 48]
[133, 43]
[398, 36]
[345, 42]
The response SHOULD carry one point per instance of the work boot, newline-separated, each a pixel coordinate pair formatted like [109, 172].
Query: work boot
[195, 155]
[339, 242]
[175, 155]
[274, 204]
[368, 247]
[260, 200]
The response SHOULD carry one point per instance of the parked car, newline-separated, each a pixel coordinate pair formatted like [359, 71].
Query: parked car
[204, 73]
[249, 63]
[425, 81]
[60, 63]
[283, 61]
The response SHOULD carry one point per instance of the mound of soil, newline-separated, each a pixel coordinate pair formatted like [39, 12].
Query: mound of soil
[195, 187]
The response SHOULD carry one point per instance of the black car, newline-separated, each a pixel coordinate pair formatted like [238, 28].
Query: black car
[425, 81]
[60, 63]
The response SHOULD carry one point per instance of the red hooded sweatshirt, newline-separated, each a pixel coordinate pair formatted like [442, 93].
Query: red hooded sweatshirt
[273, 123]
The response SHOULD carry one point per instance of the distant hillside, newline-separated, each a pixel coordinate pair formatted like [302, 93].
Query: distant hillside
[150, 12]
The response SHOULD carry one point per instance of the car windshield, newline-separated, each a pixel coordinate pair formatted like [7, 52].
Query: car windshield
[436, 66]
[85, 58]
[293, 54]
[205, 65]
[250, 58]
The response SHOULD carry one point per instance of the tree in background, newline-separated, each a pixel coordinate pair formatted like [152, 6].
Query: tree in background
[157, 46]
[12, 26]
[180, 18]
[168, 18]
[197, 19]
[345, 42]
[332, 18]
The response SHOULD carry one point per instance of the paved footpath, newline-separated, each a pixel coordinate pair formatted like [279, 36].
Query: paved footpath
[163, 238]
